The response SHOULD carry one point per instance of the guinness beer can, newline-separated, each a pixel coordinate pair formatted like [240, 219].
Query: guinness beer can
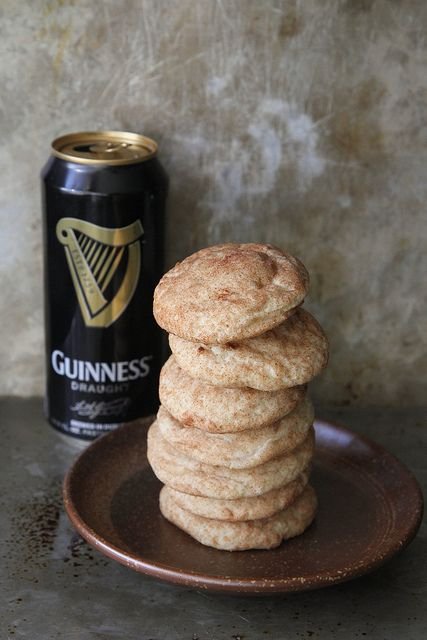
[104, 206]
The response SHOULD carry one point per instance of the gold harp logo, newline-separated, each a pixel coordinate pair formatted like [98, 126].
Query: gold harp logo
[94, 254]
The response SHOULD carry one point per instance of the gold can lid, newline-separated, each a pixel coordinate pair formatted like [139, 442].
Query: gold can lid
[104, 147]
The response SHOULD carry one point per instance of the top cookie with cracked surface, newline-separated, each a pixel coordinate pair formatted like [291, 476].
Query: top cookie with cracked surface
[229, 292]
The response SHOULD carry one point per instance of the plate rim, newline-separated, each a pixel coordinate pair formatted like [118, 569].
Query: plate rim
[245, 585]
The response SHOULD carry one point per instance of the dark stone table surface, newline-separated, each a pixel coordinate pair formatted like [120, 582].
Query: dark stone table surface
[53, 585]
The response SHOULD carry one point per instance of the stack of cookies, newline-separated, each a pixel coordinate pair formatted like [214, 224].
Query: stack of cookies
[234, 439]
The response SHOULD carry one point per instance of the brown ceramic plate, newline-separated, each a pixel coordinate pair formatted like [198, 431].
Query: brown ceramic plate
[370, 507]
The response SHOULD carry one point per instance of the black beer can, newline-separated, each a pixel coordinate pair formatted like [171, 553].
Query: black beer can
[104, 212]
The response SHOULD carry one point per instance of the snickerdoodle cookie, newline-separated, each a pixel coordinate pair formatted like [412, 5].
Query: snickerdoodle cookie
[197, 478]
[218, 409]
[229, 292]
[243, 449]
[262, 506]
[291, 354]
[265, 533]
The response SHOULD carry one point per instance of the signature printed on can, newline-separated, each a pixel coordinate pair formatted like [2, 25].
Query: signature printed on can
[104, 409]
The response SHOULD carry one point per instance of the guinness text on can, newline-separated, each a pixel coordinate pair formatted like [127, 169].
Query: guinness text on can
[103, 217]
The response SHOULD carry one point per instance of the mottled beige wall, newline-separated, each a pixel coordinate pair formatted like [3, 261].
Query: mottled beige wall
[298, 123]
